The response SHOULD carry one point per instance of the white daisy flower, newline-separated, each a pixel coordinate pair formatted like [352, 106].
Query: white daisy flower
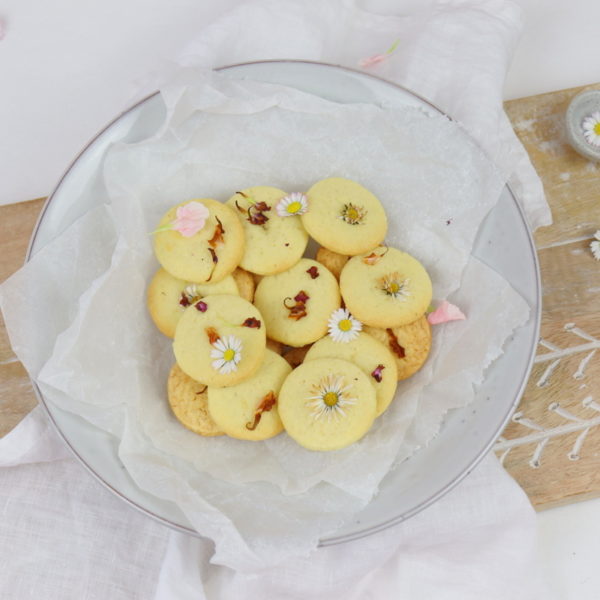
[342, 326]
[330, 398]
[395, 286]
[595, 245]
[292, 205]
[228, 353]
[591, 129]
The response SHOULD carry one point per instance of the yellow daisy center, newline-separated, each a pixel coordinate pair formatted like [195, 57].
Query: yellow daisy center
[294, 207]
[394, 288]
[229, 354]
[330, 398]
[345, 325]
[597, 128]
[352, 214]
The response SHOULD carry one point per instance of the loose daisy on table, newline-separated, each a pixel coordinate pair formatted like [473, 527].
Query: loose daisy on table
[330, 398]
[595, 245]
[591, 129]
[228, 352]
[292, 205]
[342, 326]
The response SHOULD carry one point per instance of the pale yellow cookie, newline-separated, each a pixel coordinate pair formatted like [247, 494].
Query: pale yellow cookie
[371, 356]
[344, 216]
[295, 356]
[385, 287]
[245, 284]
[332, 260]
[273, 243]
[168, 297]
[248, 410]
[296, 304]
[189, 402]
[327, 404]
[409, 344]
[207, 256]
[220, 340]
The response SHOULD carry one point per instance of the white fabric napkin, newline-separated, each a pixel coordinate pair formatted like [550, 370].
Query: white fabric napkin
[70, 538]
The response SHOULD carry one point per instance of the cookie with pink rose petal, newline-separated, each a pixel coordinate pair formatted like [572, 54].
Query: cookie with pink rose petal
[199, 241]
[275, 236]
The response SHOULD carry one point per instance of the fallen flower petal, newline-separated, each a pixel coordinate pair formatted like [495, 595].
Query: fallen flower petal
[445, 312]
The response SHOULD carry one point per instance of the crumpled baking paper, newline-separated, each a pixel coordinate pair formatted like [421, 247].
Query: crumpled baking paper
[77, 318]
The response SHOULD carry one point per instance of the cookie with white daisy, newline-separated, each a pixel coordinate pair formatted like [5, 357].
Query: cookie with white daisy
[385, 287]
[327, 404]
[275, 236]
[168, 297]
[199, 240]
[189, 402]
[364, 351]
[220, 340]
[409, 344]
[248, 410]
[344, 216]
[297, 303]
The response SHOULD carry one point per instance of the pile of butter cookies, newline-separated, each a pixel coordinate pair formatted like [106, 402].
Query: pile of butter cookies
[266, 340]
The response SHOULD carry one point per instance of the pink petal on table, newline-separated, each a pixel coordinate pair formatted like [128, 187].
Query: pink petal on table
[190, 218]
[365, 63]
[445, 312]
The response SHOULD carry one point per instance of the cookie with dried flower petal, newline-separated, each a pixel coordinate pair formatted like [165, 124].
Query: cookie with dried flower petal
[385, 287]
[220, 340]
[189, 402]
[297, 303]
[168, 297]
[344, 216]
[248, 410]
[273, 243]
[327, 404]
[209, 254]
[409, 344]
[370, 355]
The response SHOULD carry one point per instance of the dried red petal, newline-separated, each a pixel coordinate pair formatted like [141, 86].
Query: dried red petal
[184, 300]
[313, 272]
[252, 323]
[256, 212]
[212, 334]
[376, 374]
[266, 404]
[217, 237]
[201, 306]
[215, 258]
[397, 349]
[302, 297]
[371, 259]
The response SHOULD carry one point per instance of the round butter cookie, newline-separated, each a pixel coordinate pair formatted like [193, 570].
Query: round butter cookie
[327, 404]
[168, 297]
[189, 402]
[208, 255]
[409, 344]
[248, 410]
[385, 287]
[273, 242]
[245, 284]
[220, 340]
[344, 216]
[296, 304]
[332, 260]
[371, 356]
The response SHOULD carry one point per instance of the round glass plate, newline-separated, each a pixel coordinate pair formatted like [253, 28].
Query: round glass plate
[504, 243]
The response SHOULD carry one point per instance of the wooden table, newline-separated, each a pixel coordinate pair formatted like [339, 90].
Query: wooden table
[552, 445]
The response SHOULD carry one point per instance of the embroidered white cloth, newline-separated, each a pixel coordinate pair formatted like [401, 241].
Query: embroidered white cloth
[67, 537]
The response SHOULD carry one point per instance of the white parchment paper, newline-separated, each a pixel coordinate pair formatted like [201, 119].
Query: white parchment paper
[83, 298]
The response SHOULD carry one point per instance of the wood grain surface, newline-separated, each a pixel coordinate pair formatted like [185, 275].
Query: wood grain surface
[552, 445]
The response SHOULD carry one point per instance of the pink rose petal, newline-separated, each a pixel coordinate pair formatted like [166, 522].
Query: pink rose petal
[190, 218]
[365, 63]
[445, 312]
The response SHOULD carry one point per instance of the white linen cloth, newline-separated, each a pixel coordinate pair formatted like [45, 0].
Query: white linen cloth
[69, 538]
